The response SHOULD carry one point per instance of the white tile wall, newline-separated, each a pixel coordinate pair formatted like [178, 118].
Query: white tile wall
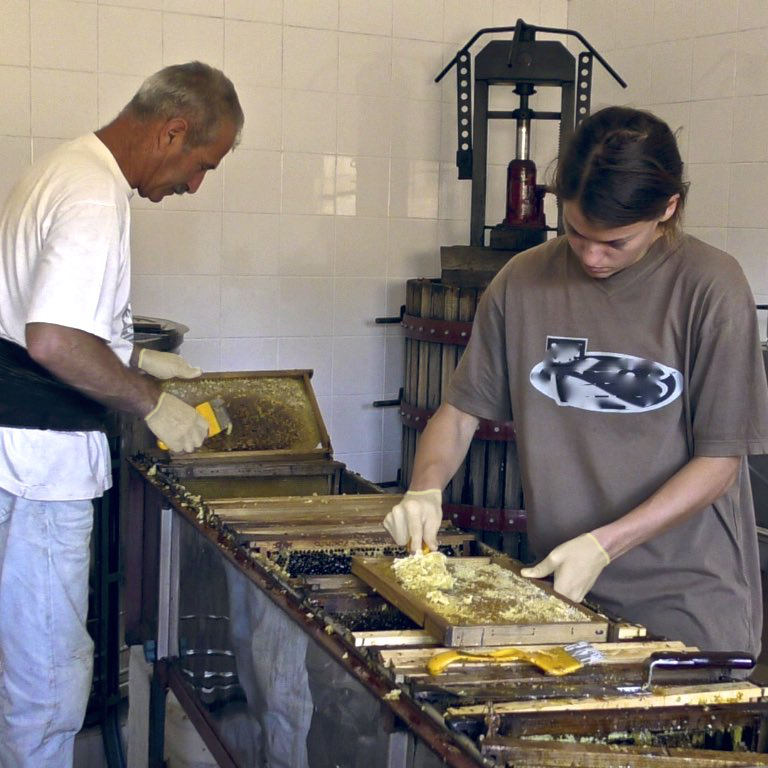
[15, 32]
[264, 10]
[363, 125]
[250, 243]
[361, 246]
[319, 14]
[751, 62]
[305, 306]
[370, 16]
[310, 59]
[307, 245]
[365, 64]
[176, 242]
[362, 186]
[188, 37]
[14, 106]
[252, 181]
[130, 40]
[418, 19]
[15, 156]
[359, 300]
[308, 183]
[309, 121]
[315, 354]
[253, 53]
[114, 91]
[711, 124]
[249, 306]
[63, 35]
[344, 185]
[200, 7]
[64, 103]
[244, 354]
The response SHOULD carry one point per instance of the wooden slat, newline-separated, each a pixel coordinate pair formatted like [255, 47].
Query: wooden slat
[669, 696]
[412, 662]
[625, 631]
[513, 490]
[467, 300]
[396, 638]
[435, 349]
[524, 753]
[297, 520]
[410, 392]
[299, 516]
[314, 529]
[352, 541]
[422, 384]
[334, 582]
[448, 357]
[362, 502]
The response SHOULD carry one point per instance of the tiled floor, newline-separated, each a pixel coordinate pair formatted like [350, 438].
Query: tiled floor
[183, 746]
[89, 744]
[89, 749]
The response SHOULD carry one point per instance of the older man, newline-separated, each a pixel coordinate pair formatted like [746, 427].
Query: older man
[65, 357]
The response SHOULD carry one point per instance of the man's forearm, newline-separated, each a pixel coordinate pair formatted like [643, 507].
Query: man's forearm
[442, 447]
[690, 490]
[86, 363]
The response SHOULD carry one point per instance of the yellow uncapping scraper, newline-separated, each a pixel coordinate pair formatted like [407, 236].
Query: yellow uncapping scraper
[215, 413]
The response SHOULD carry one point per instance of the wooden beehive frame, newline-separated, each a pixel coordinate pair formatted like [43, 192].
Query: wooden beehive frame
[377, 572]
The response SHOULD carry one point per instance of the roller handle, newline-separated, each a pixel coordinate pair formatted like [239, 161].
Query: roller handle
[697, 660]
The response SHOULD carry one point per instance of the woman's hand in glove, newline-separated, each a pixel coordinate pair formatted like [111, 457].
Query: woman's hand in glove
[166, 365]
[576, 565]
[416, 518]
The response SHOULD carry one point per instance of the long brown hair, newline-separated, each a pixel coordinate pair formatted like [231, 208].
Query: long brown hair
[622, 166]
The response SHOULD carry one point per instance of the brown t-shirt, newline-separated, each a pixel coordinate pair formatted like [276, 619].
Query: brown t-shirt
[614, 386]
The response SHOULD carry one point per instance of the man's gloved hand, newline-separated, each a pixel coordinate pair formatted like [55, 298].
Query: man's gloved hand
[576, 564]
[166, 365]
[177, 424]
[417, 517]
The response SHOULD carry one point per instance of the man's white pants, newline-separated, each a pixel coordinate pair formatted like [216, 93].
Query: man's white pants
[46, 653]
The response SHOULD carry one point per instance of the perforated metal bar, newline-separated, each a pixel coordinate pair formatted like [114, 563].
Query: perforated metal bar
[464, 114]
[584, 87]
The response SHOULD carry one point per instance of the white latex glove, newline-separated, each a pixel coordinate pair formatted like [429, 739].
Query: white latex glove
[177, 424]
[576, 564]
[166, 365]
[417, 517]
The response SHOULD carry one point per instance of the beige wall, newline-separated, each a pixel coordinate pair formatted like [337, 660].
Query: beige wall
[345, 185]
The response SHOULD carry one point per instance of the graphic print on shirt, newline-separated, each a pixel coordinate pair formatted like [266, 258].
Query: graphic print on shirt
[603, 381]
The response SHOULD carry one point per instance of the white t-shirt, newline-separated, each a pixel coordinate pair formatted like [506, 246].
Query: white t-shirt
[65, 259]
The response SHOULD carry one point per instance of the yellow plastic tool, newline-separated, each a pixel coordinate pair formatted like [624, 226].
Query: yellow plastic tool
[215, 413]
[552, 661]
[424, 548]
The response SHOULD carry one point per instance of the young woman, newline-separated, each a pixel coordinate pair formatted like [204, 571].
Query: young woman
[628, 354]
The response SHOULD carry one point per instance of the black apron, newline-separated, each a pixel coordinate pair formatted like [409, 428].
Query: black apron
[30, 397]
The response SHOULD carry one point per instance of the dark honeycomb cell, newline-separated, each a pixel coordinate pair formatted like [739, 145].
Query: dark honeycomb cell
[376, 620]
[326, 562]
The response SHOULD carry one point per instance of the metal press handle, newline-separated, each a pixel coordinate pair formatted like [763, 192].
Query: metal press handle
[696, 660]
[517, 29]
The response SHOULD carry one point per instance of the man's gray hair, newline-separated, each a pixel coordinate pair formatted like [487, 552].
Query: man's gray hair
[201, 94]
